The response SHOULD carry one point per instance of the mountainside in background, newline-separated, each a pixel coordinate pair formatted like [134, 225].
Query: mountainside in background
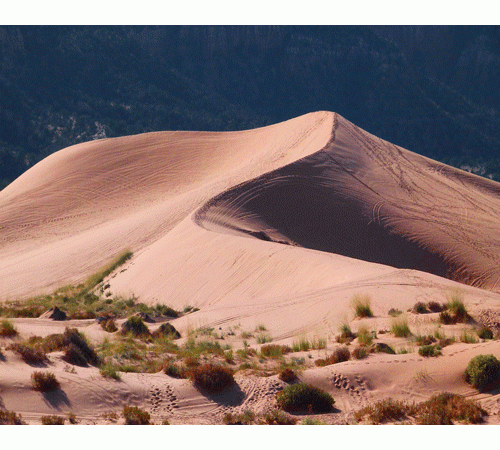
[432, 90]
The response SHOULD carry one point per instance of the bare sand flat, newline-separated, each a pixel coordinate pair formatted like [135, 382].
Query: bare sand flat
[278, 227]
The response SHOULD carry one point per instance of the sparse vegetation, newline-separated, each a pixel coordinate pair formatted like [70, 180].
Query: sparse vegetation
[483, 372]
[135, 326]
[262, 338]
[384, 411]
[340, 354]
[44, 381]
[287, 375]
[211, 377]
[435, 307]
[312, 421]
[278, 417]
[166, 330]
[467, 337]
[135, 416]
[52, 420]
[429, 350]
[29, 355]
[274, 350]
[400, 327]
[247, 418]
[359, 353]
[362, 306]
[485, 333]
[456, 312]
[7, 329]
[394, 312]
[365, 338]
[346, 334]
[11, 418]
[303, 397]
[420, 308]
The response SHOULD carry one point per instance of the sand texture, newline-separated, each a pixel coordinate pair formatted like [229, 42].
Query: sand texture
[280, 226]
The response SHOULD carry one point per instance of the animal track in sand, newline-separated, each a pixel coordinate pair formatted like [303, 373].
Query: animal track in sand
[162, 400]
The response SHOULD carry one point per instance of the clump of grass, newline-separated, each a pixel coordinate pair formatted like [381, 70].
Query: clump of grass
[135, 416]
[422, 339]
[302, 345]
[247, 418]
[362, 306]
[435, 307]
[287, 375]
[44, 381]
[346, 334]
[420, 308]
[212, 377]
[262, 338]
[166, 330]
[483, 372]
[340, 354]
[278, 417]
[400, 327]
[274, 350]
[109, 371]
[456, 311]
[98, 277]
[365, 338]
[303, 397]
[359, 353]
[260, 327]
[312, 421]
[7, 329]
[468, 337]
[52, 420]
[11, 418]
[394, 312]
[79, 345]
[445, 408]
[175, 371]
[383, 411]
[485, 333]
[135, 326]
[29, 355]
[429, 350]
[109, 325]
[246, 335]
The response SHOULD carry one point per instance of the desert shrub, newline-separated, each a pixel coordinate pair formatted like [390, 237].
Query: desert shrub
[7, 329]
[394, 312]
[380, 347]
[346, 334]
[362, 306]
[72, 418]
[485, 333]
[262, 338]
[274, 350]
[175, 371]
[445, 318]
[340, 354]
[29, 355]
[302, 345]
[278, 417]
[467, 337]
[421, 339]
[211, 377]
[364, 336]
[287, 375]
[304, 397]
[456, 312]
[312, 421]
[383, 411]
[434, 307]
[444, 408]
[73, 336]
[483, 371]
[136, 326]
[109, 325]
[109, 371]
[359, 353]
[400, 327]
[73, 355]
[135, 416]
[52, 420]
[166, 330]
[420, 308]
[165, 310]
[247, 418]
[44, 381]
[429, 350]
[11, 418]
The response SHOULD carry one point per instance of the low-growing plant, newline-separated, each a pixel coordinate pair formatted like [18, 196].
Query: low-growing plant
[302, 345]
[420, 308]
[485, 333]
[303, 397]
[166, 330]
[445, 408]
[435, 307]
[394, 312]
[135, 416]
[52, 420]
[483, 372]
[468, 337]
[109, 371]
[109, 325]
[211, 377]
[247, 418]
[400, 327]
[44, 381]
[362, 306]
[383, 411]
[456, 311]
[278, 417]
[136, 326]
[312, 421]
[29, 355]
[11, 418]
[365, 338]
[287, 375]
[359, 353]
[7, 329]
[429, 350]
[274, 350]
[176, 371]
[421, 339]
[262, 338]
[340, 354]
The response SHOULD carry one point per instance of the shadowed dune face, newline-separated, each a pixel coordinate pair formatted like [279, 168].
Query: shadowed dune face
[368, 199]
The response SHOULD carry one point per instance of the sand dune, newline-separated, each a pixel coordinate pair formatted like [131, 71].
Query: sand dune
[280, 226]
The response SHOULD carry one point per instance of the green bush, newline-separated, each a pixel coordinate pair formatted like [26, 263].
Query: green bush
[362, 306]
[359, 353]
[483, 372]
[7, 329]
[44, 381]
[166, 330]
[211, 377]
[429, 350]
[136, 326]
[400, 328]
[135, 416]
[485, 333]
[303, 397]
